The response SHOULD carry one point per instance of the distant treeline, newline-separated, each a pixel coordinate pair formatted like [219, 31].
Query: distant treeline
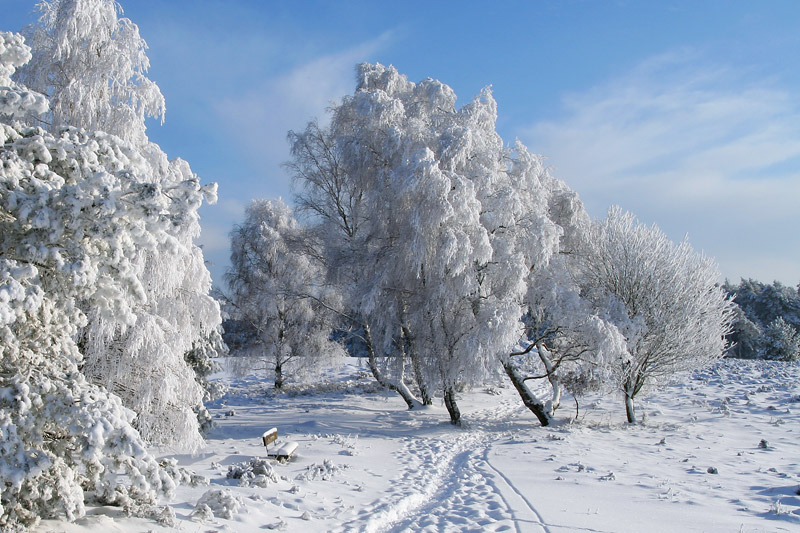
[767, 321]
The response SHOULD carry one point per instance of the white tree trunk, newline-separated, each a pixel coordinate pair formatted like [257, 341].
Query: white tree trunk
[399, 387]
[528, 398]
[555, 400]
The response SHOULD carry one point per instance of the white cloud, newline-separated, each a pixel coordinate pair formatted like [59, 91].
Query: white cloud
[262, 115]
[257, 117]
[696, 148]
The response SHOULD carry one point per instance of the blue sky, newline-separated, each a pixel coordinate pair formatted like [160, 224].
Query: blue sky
[685, 113]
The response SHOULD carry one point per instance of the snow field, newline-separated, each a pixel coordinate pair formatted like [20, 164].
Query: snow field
[365, 463]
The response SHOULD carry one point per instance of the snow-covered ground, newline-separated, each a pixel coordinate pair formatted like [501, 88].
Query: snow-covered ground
[718, 452]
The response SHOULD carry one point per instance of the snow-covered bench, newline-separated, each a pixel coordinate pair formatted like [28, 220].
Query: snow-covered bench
[286, 451]
[282, 454]
[269, 436]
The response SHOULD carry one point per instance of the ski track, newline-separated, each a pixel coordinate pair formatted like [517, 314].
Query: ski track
[507, 482]
[448, 484]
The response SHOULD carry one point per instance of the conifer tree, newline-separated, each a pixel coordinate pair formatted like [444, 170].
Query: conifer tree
[92, 64]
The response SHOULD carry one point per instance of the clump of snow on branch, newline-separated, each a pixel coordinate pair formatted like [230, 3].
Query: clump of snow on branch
[16, 100]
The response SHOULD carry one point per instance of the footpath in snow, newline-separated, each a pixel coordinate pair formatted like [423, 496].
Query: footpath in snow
[718, 452]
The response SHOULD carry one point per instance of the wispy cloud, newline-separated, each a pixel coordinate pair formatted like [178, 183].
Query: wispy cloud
[261, 115]
[708, 150]
[254, 118]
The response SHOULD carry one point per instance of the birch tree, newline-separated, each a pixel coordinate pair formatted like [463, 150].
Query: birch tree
[91, 64]
[277, 289]
[662, 297]
[429, 223]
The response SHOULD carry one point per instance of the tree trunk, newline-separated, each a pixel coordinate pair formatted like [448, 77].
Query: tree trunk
[544, 356]
[279, 350]
[424, 392]
[629, 409]
[400, 387]
[528, 398]
[452, 406]
[278, 375]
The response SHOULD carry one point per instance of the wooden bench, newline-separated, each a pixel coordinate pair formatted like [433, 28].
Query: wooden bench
[286, 451]
[282, 454]
[269, 436]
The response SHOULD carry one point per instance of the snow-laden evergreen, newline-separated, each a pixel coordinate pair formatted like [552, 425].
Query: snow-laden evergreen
[74, 213]
[781, 341]
[92, 64]
[60, 436]
[757, 332]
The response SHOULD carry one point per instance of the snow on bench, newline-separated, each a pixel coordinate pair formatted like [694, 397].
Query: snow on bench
[285, 452]
[270, 435]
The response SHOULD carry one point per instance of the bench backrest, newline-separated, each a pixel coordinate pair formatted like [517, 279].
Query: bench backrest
[271, 435]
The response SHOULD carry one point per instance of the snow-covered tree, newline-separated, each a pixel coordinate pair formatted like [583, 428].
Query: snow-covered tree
[429, 224]
[565, 342]
[333, 198]
[781, 341]
[746, 338]
[394, 222]
[73, 214]
[144, 361]
[277, 288]
[92, 64]
[760, 305]
[662, 297]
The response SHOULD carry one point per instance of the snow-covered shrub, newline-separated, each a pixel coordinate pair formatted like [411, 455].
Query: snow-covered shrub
[325, 471]
[182, 475]
[222, 503]
[202, 513]
[778, 508]
[349, 443]
[255, 472]
[60, 436]
[163, 514]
